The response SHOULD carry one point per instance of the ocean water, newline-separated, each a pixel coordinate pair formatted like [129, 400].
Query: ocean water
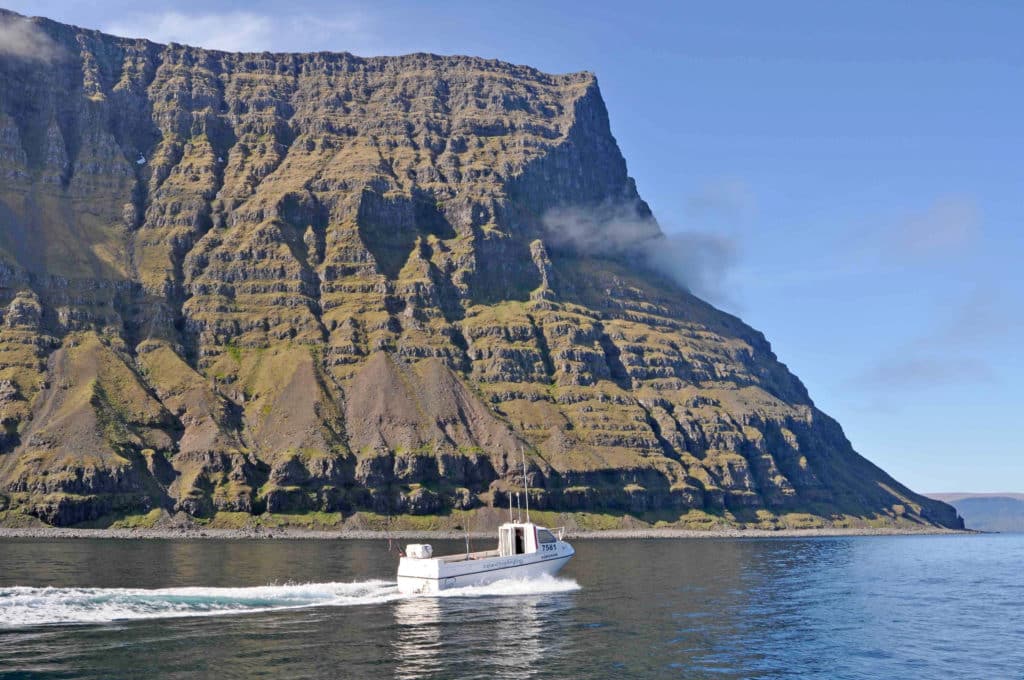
[856, 607]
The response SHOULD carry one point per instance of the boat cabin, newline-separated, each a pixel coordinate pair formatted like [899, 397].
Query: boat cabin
[523, 538]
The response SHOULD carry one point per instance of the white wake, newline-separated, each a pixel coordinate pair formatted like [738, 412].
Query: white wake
[27, 606]
[541, 585]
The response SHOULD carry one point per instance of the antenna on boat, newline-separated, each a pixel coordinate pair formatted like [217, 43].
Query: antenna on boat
[510, 519]
[519, 509]
[526, 484]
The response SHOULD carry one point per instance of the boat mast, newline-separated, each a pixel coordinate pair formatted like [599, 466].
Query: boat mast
[526, 484]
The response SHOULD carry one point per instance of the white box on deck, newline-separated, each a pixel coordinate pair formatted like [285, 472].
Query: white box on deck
[421, 551]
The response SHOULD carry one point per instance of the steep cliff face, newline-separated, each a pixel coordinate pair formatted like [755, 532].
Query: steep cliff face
[267, 283]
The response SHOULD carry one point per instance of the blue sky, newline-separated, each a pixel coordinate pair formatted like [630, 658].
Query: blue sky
[864, 160]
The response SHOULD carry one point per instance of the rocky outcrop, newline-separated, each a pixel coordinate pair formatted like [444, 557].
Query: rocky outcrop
[283, 283]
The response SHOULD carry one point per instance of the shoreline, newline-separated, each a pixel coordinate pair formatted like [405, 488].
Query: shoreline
[307, 534]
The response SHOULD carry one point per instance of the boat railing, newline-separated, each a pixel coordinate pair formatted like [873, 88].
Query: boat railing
[559, 532]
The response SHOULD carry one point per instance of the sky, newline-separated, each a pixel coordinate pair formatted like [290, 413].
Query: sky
[862, 161]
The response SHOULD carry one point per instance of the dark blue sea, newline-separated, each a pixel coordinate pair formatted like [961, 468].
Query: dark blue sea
[856, 607]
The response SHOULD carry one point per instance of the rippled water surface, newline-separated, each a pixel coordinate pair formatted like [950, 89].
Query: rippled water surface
[878, 607]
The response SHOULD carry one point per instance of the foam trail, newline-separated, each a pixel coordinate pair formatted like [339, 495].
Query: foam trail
[27, 606]
[541, 585]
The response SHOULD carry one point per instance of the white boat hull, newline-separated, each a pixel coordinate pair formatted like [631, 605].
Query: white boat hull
[434, 575]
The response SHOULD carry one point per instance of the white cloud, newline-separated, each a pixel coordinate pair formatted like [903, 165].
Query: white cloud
[948, 225]
[961, 349]
[21, 38]
[699, 261]
[940, 233]
[246, 31]
[914, 372]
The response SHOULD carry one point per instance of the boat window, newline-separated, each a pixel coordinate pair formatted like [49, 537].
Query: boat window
[520, 543]
[544, 536]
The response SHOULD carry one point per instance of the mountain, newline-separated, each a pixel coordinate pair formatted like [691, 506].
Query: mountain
[1002, 512]
[285, 283]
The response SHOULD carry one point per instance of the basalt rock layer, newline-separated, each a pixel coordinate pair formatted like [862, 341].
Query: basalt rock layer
[295, 282]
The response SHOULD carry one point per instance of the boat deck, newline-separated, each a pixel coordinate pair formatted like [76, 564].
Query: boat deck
[463, 557]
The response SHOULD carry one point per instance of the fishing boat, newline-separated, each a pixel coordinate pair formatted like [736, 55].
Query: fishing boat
[525, 550]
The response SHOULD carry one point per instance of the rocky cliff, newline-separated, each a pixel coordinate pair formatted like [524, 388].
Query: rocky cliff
[260, 283]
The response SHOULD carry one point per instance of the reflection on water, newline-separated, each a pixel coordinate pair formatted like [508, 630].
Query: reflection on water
[519, 641]
[942, 606]
[502, 634]
[417, 644]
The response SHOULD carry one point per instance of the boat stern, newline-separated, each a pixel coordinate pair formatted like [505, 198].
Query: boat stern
[418, 575]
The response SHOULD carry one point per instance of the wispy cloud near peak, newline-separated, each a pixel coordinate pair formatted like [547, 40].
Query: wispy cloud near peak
[246, 31]
[697, 260]
[20, 37]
